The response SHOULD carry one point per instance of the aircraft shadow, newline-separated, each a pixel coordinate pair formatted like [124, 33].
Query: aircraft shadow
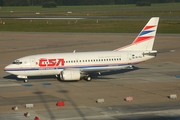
[113, 72]
[13, 77]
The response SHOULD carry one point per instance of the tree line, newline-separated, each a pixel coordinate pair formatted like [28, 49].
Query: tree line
[77, 2]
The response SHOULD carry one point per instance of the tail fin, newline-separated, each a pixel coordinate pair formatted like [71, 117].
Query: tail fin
[145, 39]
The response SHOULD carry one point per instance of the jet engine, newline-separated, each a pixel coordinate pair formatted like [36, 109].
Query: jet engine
[70, 75]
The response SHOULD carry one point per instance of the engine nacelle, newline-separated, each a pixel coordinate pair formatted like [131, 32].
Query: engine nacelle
[70, 75]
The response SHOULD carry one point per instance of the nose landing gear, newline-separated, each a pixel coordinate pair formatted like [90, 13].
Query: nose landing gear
[23, 77]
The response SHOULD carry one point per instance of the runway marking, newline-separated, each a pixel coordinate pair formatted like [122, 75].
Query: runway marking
[177, 76]
[27, 84]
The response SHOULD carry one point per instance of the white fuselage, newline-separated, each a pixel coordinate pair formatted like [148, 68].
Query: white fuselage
[74, 66]
[54, 63]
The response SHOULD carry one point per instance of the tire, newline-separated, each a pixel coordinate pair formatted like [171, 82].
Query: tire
[25, 81]
[88, 78]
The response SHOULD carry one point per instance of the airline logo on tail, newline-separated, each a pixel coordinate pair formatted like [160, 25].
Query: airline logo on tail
[143, 36]
[145, 39]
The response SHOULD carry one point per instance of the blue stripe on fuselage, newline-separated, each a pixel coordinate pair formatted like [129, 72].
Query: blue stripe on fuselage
[52, 68]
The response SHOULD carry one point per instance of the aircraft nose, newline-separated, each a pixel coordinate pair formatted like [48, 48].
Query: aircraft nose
[7, 68]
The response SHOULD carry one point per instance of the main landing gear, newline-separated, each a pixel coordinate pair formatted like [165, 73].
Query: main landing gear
[26, 81]
[88, 78]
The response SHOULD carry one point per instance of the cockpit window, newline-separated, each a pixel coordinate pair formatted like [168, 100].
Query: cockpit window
[17, 62]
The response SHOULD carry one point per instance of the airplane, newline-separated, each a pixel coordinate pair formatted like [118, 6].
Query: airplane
[79, 65]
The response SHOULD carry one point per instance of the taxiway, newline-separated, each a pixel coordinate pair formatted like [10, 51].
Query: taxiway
[149, 83]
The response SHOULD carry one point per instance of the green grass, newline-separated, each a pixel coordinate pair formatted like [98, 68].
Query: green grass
[87, 8]
[103, 26]
[168, 9]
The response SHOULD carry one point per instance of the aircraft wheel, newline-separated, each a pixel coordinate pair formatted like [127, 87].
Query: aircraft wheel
[88, 78]
[25, 80]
